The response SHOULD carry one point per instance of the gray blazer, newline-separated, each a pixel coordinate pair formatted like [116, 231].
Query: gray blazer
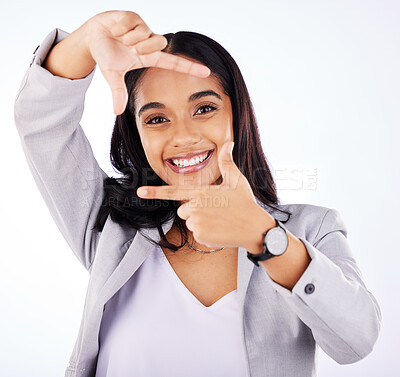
[330, 305]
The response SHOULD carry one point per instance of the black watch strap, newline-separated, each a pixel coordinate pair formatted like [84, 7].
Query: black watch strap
[255, 258]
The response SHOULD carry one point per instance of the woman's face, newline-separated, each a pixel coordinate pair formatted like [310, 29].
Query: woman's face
[181, 116]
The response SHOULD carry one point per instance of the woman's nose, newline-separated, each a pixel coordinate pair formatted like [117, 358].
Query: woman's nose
[185, 133]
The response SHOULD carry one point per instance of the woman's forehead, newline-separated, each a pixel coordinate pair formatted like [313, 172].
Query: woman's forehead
[154, 78]
[158, 84]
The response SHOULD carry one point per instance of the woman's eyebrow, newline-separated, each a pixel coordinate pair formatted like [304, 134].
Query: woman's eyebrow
[204, 93]
[193, 97]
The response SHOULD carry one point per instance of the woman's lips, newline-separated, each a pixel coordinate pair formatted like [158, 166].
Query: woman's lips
[191, 169]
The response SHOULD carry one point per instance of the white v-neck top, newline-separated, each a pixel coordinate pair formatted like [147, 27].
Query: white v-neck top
[155, 327]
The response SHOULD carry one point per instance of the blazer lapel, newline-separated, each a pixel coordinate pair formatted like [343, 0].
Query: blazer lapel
[245, 269]
[136, 254]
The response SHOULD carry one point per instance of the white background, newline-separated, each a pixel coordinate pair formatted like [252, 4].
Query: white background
[324, 80]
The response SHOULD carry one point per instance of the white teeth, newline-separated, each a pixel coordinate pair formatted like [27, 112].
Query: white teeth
[193, 161]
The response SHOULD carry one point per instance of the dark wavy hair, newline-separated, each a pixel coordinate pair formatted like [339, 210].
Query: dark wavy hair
[128, 157]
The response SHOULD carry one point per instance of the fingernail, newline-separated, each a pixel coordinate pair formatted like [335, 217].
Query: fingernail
[204, 71]
[142, 191]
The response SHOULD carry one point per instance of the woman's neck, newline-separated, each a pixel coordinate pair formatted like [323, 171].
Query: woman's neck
[174, 236]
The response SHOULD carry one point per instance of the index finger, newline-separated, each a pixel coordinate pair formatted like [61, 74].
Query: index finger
[173, 62]
[168, 192]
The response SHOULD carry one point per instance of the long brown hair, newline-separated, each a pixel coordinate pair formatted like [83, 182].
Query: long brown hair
[128, 157]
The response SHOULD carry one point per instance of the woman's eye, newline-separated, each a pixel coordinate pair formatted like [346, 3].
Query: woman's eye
[206, 107]
[150, 121]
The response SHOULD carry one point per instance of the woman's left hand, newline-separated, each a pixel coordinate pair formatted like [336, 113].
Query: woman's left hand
[218, 215]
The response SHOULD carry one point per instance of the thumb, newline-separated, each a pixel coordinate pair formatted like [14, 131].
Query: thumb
[119, 92]
[227, 165]
[228, 157]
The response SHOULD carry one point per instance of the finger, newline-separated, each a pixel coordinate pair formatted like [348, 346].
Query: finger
[189, 224]
[118, 89]
[168, 192]
[155, 43]
[227, 166]
[183, 211]
[173, 62]
[125, 24]
[140, 33]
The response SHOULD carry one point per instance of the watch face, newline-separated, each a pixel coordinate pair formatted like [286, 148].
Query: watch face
[277, 241]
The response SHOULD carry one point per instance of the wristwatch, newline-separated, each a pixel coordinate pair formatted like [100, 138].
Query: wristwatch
[275, 243]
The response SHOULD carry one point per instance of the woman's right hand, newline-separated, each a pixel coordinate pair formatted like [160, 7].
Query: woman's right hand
[120, 41]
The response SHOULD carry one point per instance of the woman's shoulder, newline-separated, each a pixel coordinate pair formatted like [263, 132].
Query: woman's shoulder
[308, 220]
[298, 211]
[305, 210]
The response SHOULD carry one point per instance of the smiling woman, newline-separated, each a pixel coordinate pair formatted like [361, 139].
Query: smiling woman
[195, 267]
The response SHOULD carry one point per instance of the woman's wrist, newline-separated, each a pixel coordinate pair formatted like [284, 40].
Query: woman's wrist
[260, 222]
[71, 57]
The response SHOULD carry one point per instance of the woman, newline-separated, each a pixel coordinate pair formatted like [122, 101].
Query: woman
[206, 274]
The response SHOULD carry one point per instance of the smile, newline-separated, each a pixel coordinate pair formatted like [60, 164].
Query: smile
[192, 165]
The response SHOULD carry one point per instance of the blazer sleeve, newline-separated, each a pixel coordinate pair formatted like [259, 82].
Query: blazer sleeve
[331, 297]
[47, 113]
